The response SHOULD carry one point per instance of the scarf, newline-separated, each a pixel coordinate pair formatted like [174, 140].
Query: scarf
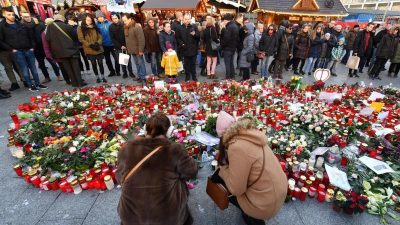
[127, 27]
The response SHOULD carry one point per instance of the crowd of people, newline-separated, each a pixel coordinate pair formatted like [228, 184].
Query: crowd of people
[77, 45]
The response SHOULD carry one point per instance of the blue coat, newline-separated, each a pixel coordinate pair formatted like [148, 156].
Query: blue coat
[316, 46]
[105, 33]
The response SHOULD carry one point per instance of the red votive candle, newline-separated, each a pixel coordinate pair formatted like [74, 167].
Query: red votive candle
[296, 192]
[18, 170]
[303, 194]
[321, 187]
[312, 192]
[321, 196]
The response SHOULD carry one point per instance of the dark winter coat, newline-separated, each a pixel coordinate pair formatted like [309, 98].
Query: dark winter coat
[210, 34]
[350, 37]
[117, 35]
[360, 46]
[303, 44]
[269, 44]
[55, 37]
[188, 43]
[378, 37]
[285, 46]
[396, 55]
[167, 38]
[157, 192]
[230, 37]
[387, 46]
[152, 40]
[177, 27]
[16, 36]
[333, 42]
[316, 46]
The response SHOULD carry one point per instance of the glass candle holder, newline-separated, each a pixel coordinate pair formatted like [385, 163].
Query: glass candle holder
[321, 187]
[76, 187]
[296, 192]
[109, 182]
[18, 170]
[312, 192]
[302, 181]
[329, 195]
[321, 196]
[303, 194]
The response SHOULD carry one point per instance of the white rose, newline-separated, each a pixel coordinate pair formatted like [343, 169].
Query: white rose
[72, 150]
[310, 127]
[70, 105]
[63, 104]
[318, 129]
[306, 108]
[354, 175]
[75, 143]
[295, 119]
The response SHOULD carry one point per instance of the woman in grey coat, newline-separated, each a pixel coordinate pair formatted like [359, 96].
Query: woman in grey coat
[248, 50]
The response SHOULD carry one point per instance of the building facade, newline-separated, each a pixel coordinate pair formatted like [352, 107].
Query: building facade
[389, 5]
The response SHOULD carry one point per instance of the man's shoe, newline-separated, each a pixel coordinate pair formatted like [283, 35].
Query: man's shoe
[111, 75]
[356, 75]
[41, 86]
[132, 75]
[378, 78]
[104, 80]
[25, 84]
[125, 76]
[136, 78]
[98, 80]
[14, 86]
[33, 88]
[350, 75]
[334, 74]
[118, 74]
[4, 96]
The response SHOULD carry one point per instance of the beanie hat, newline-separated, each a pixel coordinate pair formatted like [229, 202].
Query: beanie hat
[100, 13]
[59, 17]
[48, 21]
[224, 121]
[356, 26]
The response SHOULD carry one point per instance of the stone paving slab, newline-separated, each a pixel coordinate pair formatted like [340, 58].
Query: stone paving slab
[22, 204]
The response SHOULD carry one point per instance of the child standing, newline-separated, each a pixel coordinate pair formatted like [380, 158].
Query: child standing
[171, 65]
[337, 56]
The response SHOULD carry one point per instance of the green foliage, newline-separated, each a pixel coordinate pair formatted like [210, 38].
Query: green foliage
[211, 126]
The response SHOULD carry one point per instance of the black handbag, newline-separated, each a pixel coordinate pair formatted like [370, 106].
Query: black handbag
[95, 46]
[250, 56]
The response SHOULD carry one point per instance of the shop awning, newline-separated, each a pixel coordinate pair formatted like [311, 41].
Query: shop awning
[43, 2]
[170, 5]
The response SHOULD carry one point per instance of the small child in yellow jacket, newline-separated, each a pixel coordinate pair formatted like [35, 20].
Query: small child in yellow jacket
[171, 65]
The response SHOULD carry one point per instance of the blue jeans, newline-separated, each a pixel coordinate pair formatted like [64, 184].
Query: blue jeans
[26, 62]
[155, 61]
[140, 66]
[309, 64]
[265, 63]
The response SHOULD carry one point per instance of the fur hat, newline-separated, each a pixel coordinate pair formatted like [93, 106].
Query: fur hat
[224, 121]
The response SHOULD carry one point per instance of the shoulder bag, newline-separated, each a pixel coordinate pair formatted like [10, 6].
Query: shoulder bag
[220, 194]
[135, 168]
[214, 45]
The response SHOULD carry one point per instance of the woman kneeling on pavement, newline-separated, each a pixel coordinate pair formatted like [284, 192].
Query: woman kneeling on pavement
[249, 169]
[156, 193]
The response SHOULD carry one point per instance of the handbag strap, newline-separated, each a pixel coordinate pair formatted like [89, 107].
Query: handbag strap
[62, 31]
[262, 170]
[135, 168]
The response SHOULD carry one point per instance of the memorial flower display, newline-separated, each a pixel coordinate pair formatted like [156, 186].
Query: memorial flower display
[337, 144]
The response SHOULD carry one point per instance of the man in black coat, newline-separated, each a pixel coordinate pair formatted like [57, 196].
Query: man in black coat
[177, 27]
[385, 50]
[229, 44]
[189, 45]
[363, 47]
[19, 39]
[284, 51]
[118, 38]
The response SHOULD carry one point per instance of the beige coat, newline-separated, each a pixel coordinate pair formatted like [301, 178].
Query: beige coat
[135, 41]
[265, 198]
[87, 40]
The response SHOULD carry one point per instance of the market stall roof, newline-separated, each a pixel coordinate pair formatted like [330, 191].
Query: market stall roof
[374, 12]
[170, 5]
[300, 7]
[226, 4]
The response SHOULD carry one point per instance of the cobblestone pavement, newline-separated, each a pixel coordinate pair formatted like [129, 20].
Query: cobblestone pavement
[23, 204]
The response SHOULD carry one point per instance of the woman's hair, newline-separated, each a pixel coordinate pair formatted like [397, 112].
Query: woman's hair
[314, 32]
[157, 125]
[85, 28]
[210, 21]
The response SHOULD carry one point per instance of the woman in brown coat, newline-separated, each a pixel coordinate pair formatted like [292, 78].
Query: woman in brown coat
[157, 192]
[251, 172]
[90, 37]
[302, 45]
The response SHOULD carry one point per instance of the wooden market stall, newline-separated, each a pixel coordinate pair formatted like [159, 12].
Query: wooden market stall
[273, 11]
[169, 7]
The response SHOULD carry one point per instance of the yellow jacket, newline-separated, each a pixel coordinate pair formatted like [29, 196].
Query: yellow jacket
[170, 63]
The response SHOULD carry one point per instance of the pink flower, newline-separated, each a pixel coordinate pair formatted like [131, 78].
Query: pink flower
[84, 149]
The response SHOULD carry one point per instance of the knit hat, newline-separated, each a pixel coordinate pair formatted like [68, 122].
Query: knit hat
[100, 13]
[356, 26]
[48, 21]
[59, 17]
[224, 121]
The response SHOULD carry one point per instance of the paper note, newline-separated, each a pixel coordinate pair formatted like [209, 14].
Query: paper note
[159, 84]
[383, 115]
[319, 151]
[379, 167]
[329, 97]
[256, 87]
[206, 139]
[176, 86]
[377, 106]
[337, 178]
[375, 95]
[366, 111]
